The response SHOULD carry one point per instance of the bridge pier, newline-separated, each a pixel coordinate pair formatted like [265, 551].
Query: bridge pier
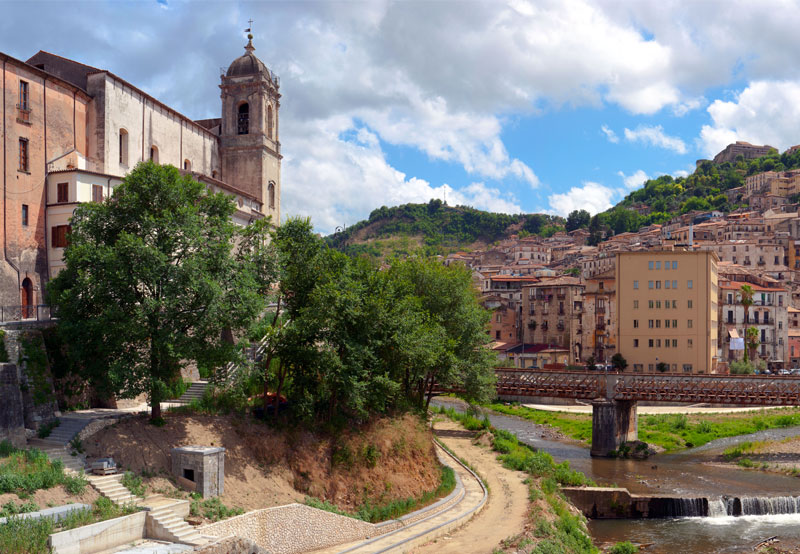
[613, 422]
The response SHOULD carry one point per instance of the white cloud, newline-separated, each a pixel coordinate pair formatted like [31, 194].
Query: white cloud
[592, 197]
[766, 112]
[610, 134]
[655, 136]
[680, 173]
[635, 180]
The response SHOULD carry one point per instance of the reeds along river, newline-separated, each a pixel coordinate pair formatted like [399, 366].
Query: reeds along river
[741, 508]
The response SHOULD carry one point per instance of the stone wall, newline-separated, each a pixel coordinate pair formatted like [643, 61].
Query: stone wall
[12, 421]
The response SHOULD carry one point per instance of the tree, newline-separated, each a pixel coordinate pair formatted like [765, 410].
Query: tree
[619, 362]
[153, 281]
[577, 219]
[751, 340]
[662, 367]
[746, 299]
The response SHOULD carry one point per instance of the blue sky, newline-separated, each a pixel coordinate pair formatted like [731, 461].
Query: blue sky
[514, 106]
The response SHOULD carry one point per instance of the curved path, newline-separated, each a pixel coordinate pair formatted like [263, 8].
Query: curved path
[469, 502]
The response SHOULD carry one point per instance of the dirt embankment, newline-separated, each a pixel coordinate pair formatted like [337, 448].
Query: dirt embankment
[779, 456]
[387, 459]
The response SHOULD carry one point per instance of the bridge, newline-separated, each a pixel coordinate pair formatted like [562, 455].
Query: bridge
[614, 396]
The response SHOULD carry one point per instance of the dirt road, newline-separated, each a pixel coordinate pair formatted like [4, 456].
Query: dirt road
[504, 514]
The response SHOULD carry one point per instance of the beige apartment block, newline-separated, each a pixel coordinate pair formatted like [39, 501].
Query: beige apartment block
[667, 310]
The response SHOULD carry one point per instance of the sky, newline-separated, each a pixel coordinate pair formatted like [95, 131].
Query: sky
[514, 106]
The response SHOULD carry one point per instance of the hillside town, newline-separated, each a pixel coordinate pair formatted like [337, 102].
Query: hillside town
[668, 294]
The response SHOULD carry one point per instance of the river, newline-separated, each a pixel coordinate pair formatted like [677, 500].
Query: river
[687, 473]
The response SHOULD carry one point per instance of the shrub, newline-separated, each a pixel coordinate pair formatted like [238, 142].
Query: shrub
[133, 483]
[370, 454]
[746, 462]
[75, 485]
[623, 548]
[26, 535]
[45, 430]
[212, 509]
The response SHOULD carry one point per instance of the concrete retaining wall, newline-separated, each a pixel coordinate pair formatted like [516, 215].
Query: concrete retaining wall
[100, 536]
[619, 503]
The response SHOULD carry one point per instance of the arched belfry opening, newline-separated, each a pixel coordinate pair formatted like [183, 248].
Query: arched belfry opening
[243, 119]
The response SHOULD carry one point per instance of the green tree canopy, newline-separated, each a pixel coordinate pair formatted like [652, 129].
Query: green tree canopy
[152, 281]
[577, 219]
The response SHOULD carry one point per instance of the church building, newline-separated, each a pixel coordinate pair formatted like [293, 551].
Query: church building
[71, 132]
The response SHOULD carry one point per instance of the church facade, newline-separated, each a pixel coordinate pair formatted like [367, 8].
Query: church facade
[71, 132]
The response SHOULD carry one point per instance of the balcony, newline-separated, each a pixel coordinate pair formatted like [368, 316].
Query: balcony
[600, 310]
[761, 262]
[561, 296]
[560, 326]
[600, 326]
[561, 311]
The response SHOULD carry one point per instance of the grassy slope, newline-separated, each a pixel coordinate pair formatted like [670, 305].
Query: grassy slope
[671, 432]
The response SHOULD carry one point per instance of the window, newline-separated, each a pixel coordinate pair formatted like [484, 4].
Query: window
[658, 265]
[62, 193]
[687, 368]
[649, 303]
[675, 265]
[25, 215]
[497, 335]
[243, 119]
[666, 323]
[666, 343]
[666, 284]
[666, 265]
[650, 367]
[97, 193]
[658, 343]
[636, 343]
[271, 191]
[649, 323]
[23, 96]
[154, 154]
[187, 165]
[674, 284]
[635, 304]
[730, 298]
[658, 324]
[658, 284]
[689, 304]
[270, 122]
[689, 323]
[666, 304]
[649, 265]
[635, 285]
[689, 284]
[674, 323]
[675, 304]
[650, 284]
[650, 343]
[123, 147]
[674, 343]
[23, 154]
[60, 233]
[658, 303]
[755, 315]
[690, 343]
[635, 323]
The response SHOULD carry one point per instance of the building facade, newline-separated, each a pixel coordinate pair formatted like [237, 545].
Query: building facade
[553, 314]
[71, 133]
[667, 310]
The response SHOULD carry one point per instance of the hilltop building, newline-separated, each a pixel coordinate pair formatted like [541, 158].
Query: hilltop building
[71, 132]
[741, 148]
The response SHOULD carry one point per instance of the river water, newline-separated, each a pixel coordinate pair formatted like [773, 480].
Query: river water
[764, 498]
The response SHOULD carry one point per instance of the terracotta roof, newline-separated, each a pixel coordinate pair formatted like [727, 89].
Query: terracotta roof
[737, 285]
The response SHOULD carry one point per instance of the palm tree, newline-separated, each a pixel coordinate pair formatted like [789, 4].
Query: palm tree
[746, 293]
[751, 340]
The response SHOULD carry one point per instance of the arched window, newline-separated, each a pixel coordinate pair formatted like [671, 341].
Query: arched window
[271, 190]
[154, 154]
[243, 120]
[269, 121]
[123, 147]
[187, 165]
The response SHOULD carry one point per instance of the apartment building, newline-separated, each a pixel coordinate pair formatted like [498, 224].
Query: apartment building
[600, 305]
[553, 314]
[667, 310]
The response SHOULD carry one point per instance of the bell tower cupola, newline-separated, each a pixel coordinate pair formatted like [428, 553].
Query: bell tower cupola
[250, 148]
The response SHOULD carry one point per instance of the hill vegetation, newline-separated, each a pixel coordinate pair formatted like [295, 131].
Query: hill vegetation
[436, 228]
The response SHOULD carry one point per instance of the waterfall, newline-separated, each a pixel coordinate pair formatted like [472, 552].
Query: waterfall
[684, 507]
[753, 506]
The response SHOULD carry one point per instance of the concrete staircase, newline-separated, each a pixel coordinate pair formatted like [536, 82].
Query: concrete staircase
[111, 487]
[167, 525]
[68, 429]
[195, 392]
[73, 465]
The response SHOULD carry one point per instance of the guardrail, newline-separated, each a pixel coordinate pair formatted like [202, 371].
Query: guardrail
[39, 312]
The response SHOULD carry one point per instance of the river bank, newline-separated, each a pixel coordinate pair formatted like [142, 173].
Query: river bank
[777, 456]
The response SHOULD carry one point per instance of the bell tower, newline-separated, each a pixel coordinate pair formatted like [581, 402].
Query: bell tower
[250, 150]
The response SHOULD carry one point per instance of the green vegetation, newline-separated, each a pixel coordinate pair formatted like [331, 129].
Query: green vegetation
[3, 352]
[567, 534]
[625, 547]
[44, 431]
[152, 280]
[30, 536]
[133, 483]
[669, 431]
[37, 367]
[393, 509]
[747, 367]
[11, 508]
[212, 508]
[442, 229]
[26, 471]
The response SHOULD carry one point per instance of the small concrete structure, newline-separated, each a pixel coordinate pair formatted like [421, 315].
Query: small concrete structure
[613, 423]
[619, 503]
[101, 536]
[203, 465]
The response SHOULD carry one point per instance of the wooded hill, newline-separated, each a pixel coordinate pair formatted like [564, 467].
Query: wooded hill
[436, 228]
